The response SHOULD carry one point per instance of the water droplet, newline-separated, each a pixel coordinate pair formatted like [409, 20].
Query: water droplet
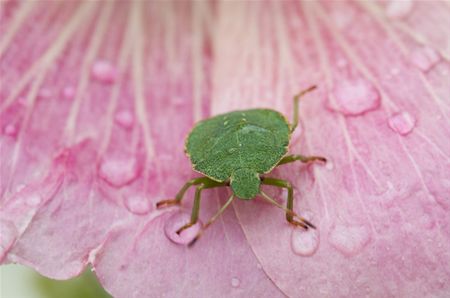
[342, 18]
[235, 282]
[402, 123]
[175, 222]
[349, 240]
[329, 165]
[341, 63]
[398, 9]
[137, 203]
[44, 93]
[68, 92]
[394, 71]
[424, 58]
[103, 71]
[34, 200]
[10, 130]
[305, 243]
[124, 118]
[20, 187]
[7, 237]
[119, 171]
[354, 97]
[178, 100]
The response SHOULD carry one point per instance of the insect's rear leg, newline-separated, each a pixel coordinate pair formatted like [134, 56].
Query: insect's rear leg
[180, 194]
[290, 214]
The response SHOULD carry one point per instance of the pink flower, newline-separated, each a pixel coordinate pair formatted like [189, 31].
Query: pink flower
[97, 97]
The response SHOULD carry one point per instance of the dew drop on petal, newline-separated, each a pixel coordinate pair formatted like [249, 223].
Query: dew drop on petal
[10, 130]
[402, 123]
[424, 58]
[119, 171]
[34, 200]
[394, 71]
[137, 204]
[341, 63]
[124, 118]
[176, 221]
[7, 237]
[398, 9]
[304, 243]
[329, 165]
[349, 239]
[235, 282]
[68, 92]
[103, 71]
[354, 97]
[44, 93]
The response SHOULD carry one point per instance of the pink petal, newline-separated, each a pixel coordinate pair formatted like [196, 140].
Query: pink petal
[95, 102]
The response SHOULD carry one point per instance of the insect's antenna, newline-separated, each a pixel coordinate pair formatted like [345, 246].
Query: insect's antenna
[212, 219]
[290, 212]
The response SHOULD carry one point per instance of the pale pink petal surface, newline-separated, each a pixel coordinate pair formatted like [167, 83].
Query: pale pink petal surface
[95, 102]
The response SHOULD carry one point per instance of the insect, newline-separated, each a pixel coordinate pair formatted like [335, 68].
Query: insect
[236, 150]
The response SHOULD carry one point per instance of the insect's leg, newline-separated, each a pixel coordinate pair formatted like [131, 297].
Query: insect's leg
[296, 100]
[290, 214]
[304, 159]
[212, 219]
[180, 194]
[196, 206]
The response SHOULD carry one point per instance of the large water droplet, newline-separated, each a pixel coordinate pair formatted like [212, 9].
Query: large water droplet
[124, 118]
[424, 58]
[398, 9]
[103, 71]
[402, 123]
[119, 171]
[137, 203]
[354, 97]
[10, 130]
[175, 222]
[44, 93]
[235, 282]
[329, 165]
[34, 200]
[349, 240]
[68, 92]
[7, 237]
[305, 243]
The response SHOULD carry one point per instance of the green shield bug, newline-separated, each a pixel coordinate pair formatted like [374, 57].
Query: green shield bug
[236, 150]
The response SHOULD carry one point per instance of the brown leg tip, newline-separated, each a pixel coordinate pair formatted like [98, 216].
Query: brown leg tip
[166, 203]
[184, 228]
[309, 224]
[190, 244]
